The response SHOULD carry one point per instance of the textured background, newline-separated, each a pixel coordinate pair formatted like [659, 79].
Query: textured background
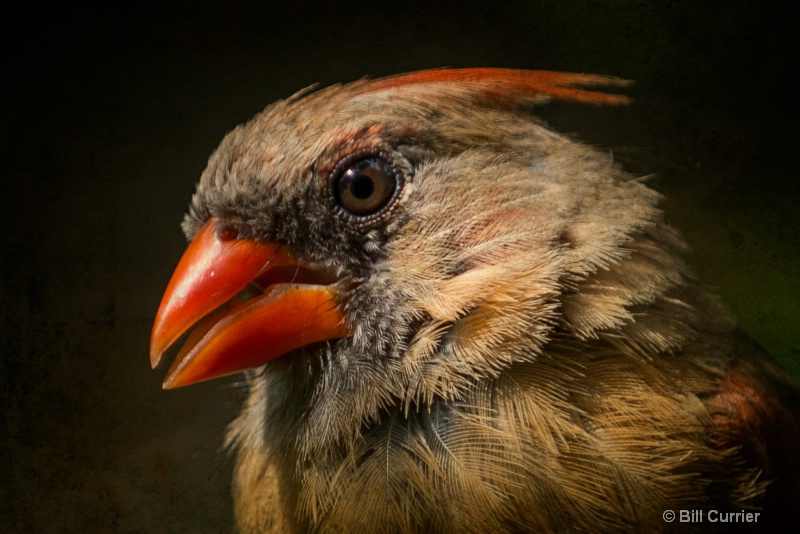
[108, 118]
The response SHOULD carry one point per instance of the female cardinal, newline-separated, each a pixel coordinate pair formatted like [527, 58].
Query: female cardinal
[454, 319]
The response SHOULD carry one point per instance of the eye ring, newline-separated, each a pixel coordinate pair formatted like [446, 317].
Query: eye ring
[365, 185]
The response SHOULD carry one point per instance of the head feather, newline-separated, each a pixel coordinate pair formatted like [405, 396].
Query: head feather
[511, 87]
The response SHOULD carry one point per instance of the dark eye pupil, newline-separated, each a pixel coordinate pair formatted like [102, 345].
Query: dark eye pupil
[366, 186]
[362, 187]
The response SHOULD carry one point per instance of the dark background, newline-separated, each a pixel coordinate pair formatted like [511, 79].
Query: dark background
[109, 115]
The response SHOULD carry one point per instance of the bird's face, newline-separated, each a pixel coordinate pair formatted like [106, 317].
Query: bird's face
[397, 242]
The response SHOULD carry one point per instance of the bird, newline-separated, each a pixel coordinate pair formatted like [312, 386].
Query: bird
[452, 318]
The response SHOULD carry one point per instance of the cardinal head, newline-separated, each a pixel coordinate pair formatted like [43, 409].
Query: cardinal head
[453, 319]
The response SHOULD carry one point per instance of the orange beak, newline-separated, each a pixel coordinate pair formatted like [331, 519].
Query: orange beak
[232, 335]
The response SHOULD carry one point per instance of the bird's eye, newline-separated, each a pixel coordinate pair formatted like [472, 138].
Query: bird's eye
[363, 187]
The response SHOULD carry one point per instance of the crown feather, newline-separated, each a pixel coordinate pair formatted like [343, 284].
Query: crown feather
[512, 86]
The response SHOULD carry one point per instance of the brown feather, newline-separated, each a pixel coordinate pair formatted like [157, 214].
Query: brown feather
[509, 86]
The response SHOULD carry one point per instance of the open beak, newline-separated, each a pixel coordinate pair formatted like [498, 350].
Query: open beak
[296, 308]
